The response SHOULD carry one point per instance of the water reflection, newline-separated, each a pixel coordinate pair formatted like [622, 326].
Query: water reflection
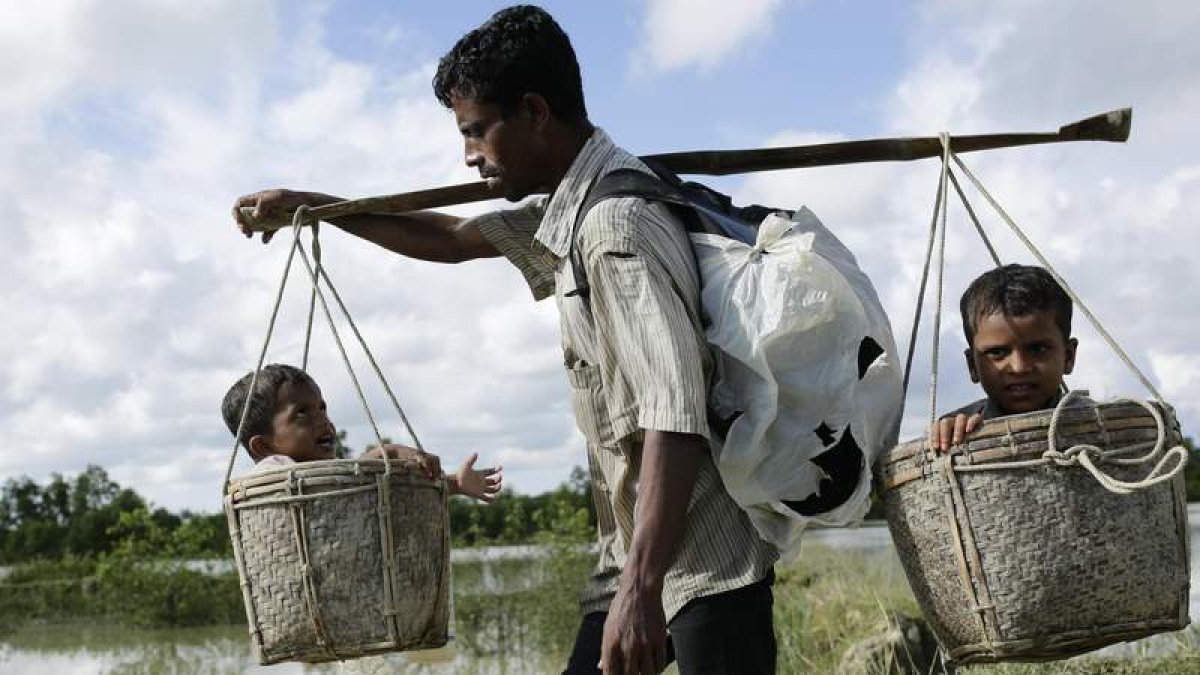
[225, 650]
[213, 650]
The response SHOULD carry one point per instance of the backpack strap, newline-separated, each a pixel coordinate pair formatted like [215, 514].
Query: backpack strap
[686, 200]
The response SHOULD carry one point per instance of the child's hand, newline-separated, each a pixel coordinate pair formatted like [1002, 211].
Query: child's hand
[481, 484]
[427, 464]
[950, 431]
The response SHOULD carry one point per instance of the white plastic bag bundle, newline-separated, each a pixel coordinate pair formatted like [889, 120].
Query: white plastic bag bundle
[788, 318]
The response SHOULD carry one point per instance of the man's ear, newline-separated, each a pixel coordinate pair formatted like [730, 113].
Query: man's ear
[260, 447]
[1069, 355]
[974, 372]
[538, 109]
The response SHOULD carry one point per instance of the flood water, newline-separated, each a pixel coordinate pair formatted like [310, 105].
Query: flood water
[225, 650]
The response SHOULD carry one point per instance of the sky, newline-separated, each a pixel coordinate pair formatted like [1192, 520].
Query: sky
[129, 127]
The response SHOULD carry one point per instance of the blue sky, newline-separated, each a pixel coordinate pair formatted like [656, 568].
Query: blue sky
[130, 126]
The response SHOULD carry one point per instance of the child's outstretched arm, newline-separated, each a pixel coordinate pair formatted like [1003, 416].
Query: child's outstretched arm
[482, 484]
[952, 429]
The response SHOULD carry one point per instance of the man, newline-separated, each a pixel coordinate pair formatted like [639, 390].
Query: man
[675, 550]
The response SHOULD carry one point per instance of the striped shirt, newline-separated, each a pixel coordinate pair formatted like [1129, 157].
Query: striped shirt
[636, 359]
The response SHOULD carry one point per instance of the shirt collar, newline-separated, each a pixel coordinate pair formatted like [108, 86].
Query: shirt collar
[558, 223]
[992, 410]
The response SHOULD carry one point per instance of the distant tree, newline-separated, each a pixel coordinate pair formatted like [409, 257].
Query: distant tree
[84, 517]
[566, 513]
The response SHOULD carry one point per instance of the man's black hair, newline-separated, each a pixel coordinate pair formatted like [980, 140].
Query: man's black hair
[520, 50]
[264, 401]
[1014, 290]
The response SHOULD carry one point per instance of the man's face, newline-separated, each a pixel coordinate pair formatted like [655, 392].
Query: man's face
[301, 429]
[502, 148]
[1020, 360]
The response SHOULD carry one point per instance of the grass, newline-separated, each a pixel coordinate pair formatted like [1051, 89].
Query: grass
[521, 616]
[827, 601]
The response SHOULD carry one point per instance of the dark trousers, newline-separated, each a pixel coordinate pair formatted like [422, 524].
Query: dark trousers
[721, 634]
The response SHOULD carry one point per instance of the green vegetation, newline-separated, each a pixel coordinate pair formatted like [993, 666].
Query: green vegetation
[87, 548]
[90, 516]
[520, 615]
[566, 513]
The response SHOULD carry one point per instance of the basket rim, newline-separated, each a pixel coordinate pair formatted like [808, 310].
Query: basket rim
[1034, 425]
[329, 467]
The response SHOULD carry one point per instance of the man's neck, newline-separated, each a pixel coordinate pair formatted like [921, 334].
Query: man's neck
[567, 143]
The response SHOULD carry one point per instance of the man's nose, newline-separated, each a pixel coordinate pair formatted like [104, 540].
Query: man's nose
[472, 156]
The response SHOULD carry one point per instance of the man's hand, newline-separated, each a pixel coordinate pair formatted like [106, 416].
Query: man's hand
[635, 634]
[950, 431]
[272, 209]
[482, 484]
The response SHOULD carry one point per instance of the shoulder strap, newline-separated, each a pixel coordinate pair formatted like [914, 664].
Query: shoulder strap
[663, 187]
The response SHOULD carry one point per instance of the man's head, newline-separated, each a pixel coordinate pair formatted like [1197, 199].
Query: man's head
[514, 86]
[286, 415]
[1017, 321]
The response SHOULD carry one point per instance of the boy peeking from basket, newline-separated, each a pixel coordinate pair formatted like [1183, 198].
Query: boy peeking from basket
[287, 423]
[1017, 321]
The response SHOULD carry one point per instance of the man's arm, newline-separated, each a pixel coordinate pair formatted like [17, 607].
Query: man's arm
[635, 633]
[425, 235]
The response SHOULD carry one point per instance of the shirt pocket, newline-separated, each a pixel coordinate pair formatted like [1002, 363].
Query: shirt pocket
[587, 400]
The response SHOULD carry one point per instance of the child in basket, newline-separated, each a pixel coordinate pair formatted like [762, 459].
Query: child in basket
[287, 423]
[1017, 321]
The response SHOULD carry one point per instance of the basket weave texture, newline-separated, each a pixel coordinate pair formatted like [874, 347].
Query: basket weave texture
[1039, 562]
[340, 559]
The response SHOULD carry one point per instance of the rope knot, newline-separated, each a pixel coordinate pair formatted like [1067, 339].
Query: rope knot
[1072, 456]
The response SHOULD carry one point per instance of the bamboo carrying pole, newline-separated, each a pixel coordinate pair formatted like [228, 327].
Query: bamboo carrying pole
[1112, 126]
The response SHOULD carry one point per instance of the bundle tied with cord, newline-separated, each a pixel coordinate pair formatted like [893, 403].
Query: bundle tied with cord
[1044, 534]
[339, 558]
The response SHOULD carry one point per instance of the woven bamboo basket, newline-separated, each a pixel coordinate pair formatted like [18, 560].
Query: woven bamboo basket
[1016, 554]
[340, 559]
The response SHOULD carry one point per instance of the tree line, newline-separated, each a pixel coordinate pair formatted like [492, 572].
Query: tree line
[92, 515]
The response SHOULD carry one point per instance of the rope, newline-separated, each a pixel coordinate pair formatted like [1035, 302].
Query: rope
[937, 307]
[317, 272]
[312, 298]
[1082, 454]
[916, 323]
[297, 223]
[975, 220]
[1087, 455]
[374, 364]
[337, 338]
[1062, 282]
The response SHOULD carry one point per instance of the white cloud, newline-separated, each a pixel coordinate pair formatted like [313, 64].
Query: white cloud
[1117, 221]
[139, 305]
[699, 33]
[131, 303]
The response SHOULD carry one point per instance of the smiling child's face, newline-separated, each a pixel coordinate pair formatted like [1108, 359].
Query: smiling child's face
[1020, 360]
[301, 429]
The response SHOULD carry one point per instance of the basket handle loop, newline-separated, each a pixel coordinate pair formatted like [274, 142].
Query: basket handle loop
[1086, 454]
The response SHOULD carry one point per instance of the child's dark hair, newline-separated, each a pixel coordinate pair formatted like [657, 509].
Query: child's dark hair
[263, 400]
[1014, 290]
[519, 50]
